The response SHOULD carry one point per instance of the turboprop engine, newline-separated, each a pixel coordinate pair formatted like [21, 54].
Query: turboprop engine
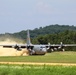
[17, 47]
[61, 46]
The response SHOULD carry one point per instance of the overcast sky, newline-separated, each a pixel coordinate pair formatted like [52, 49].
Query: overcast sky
[17, 15]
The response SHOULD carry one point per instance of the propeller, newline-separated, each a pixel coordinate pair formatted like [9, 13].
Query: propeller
[17, 47]
[48, 47]
[30, 48]
[61, 46]
[52, 50]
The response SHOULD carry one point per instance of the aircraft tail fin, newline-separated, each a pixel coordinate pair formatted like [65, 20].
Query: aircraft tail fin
[28, 38]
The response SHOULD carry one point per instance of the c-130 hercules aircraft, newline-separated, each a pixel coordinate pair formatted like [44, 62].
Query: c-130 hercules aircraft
[37, 49]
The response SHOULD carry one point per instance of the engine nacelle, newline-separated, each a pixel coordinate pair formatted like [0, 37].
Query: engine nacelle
[32, 52]
[17, 48]
[55, 49]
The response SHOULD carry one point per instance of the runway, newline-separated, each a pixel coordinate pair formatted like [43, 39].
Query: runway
[33, 63]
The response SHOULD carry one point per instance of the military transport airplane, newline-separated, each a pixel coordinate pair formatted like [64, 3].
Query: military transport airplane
[37, 49]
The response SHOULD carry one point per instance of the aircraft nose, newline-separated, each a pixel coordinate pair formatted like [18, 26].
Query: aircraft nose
[44, 50]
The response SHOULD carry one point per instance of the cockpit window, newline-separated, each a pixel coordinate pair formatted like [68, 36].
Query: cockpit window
[42, 47]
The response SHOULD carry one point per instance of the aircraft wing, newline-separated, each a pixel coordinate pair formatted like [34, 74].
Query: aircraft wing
[68, 45]
[60, 46]
[65, 45]
[18, 46]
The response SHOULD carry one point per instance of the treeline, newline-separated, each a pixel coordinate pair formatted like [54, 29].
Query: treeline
[44, 31]
[51, 29]
[66, 37]
[53, 34]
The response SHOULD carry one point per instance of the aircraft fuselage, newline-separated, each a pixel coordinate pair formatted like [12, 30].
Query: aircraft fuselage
[39, 49]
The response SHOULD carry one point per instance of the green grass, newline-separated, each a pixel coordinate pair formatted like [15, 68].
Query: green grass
[57, 57]
[37, 70]
[54, 57]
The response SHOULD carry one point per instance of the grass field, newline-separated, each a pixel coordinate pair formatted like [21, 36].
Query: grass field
[36, 70]
[54, 57]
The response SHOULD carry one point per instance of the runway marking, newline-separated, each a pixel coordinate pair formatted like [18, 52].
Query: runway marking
[34, 63]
